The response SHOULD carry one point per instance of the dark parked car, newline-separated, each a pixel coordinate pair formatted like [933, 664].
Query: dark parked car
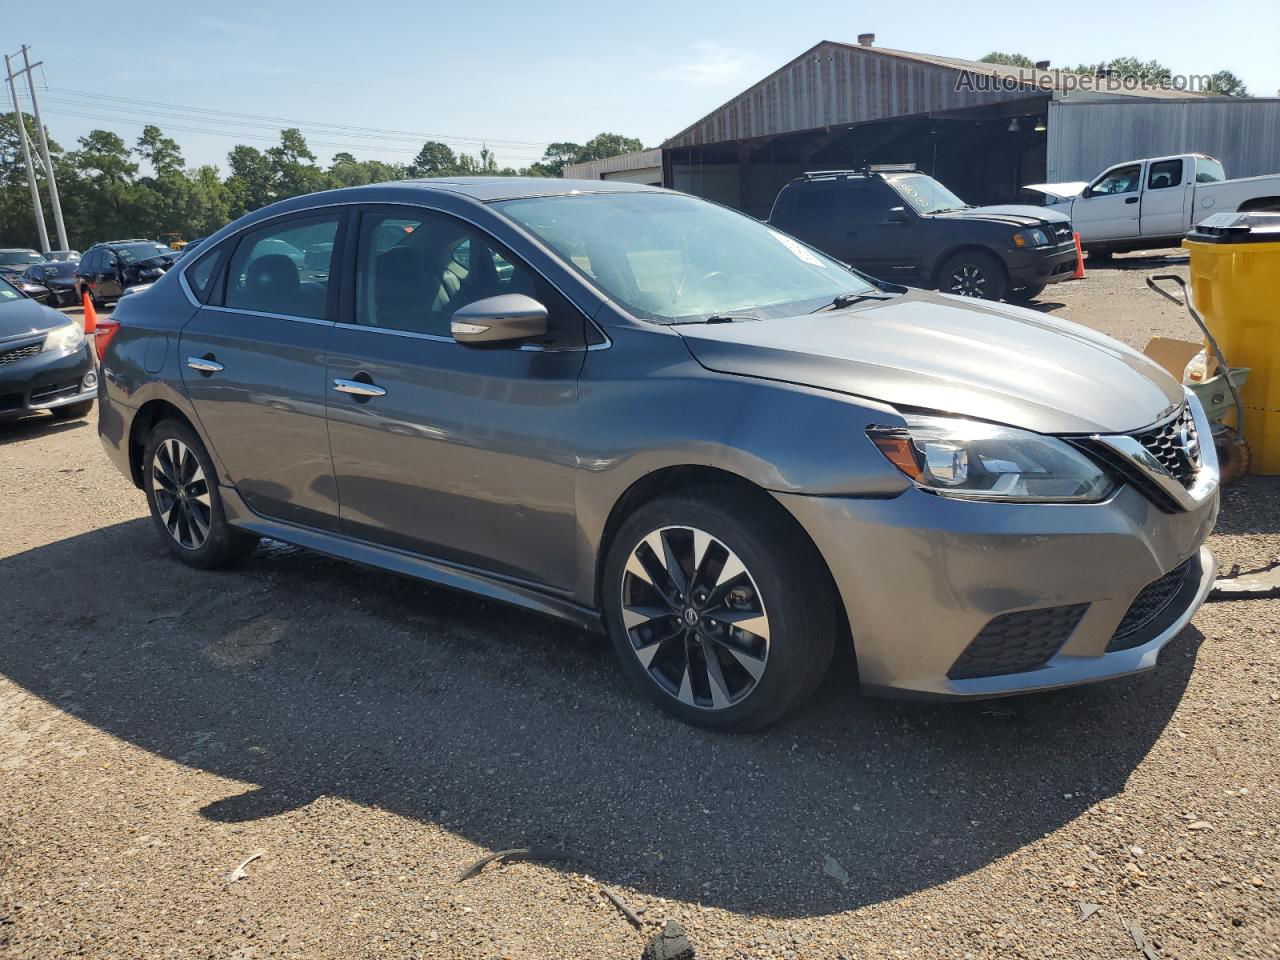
[106, 269]
[45, 361]
[906, 227]
[647, 414]
[62, 255]
[57, 277]
[14, 262]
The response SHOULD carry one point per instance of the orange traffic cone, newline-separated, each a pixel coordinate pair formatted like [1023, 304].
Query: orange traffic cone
[90, 316]
[1079, 274]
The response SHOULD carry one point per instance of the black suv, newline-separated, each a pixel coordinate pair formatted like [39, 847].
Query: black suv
[906, 227]
[107, 268]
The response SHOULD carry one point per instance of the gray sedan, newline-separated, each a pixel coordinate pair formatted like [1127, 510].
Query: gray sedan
[649, 415]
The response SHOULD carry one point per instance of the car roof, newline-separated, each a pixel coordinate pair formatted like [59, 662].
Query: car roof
[519, 188]
[19, 250]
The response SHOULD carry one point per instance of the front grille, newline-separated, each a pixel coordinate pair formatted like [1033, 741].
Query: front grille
[1176, 445]
[1147, 605]
[1062, 232]
[1016, 642]
[21, 353]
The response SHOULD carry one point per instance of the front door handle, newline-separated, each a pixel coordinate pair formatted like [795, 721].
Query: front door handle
[204, 364]
[1130, 199]
[359, 388]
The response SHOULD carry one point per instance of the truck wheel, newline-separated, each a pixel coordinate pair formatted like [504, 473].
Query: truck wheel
[973, 273]
[1025, 294]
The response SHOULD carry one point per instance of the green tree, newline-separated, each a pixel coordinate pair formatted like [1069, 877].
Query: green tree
[435, 159]
[604, 145]
[293, 167]
[1149, 72]
[557, 155]
[163, 153]
[1009, 59]
[250, 182]
[1224, 83]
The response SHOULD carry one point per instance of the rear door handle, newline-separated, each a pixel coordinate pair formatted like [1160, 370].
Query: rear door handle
[359, 388]
[204, 364]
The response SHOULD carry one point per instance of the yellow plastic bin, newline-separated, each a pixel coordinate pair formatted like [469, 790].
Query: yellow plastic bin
[1235, 279]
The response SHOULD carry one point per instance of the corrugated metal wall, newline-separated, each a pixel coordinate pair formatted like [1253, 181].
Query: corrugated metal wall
[835, 84]
[1087, 137]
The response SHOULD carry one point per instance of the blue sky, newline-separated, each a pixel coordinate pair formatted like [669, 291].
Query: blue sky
[516, 75]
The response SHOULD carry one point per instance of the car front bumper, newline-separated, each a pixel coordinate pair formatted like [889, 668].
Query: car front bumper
[921, 576]
[1031, 268]
[47, 381]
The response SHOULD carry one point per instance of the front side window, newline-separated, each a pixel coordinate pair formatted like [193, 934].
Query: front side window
[868, 203]
[1209, 170]
[414, 269]
[284, 268]
[1119, 180]
[672, 258]
[1166, 173]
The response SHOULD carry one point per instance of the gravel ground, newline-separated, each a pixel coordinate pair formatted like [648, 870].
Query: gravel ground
[368, 737]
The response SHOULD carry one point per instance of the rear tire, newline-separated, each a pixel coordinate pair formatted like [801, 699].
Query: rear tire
[739, 560]
[180, 481]
[1025, 294]
[973, 273]
[73, 411]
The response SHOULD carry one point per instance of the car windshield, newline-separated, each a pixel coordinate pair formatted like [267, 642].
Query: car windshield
[133, 252]
[925, 194]
[672, 258]
[18, 257]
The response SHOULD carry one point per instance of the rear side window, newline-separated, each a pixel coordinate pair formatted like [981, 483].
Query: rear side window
[1166, 173]
[202, 275]
[414, 269]
[815, 205]
[1209, 170]
[284, 268]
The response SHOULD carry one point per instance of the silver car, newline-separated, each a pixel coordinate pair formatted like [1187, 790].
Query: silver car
[649, 415]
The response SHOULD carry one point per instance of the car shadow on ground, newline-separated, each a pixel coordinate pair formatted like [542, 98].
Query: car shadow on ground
[306, 677]
[40, 425]
[1139, 261]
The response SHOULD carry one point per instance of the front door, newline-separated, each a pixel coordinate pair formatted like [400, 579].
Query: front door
[881, 230]
[463, 453]
[1109, 207]
[253, 366]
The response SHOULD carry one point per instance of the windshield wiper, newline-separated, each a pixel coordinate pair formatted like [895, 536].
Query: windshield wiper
[716, 318]
[843, 300]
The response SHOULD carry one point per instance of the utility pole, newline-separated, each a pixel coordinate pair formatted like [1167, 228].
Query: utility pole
[44, 150]
[26, 156]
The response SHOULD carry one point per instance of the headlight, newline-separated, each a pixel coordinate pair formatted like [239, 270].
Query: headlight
[1031, 238]
[64, 338]
[972, 460]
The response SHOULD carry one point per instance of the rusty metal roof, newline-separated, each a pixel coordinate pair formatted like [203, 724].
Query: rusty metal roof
[840, 83]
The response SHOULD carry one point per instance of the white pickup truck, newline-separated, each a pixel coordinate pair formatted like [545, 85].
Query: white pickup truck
[1141, 204]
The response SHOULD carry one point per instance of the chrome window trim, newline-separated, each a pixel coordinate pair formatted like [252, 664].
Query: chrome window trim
[195, 302]
[1206, 480]
[271, 316]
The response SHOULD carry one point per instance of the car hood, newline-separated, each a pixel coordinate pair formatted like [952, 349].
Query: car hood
[21, 318]
[1016, 215]
[1062, 191]
[974, 358]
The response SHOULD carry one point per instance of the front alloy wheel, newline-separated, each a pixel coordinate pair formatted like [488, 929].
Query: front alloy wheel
[695, 618]
[181, 493]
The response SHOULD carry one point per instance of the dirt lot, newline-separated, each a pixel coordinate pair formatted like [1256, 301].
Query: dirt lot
[369, 737]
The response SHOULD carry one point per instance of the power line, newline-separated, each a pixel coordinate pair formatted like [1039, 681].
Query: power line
[313, 124]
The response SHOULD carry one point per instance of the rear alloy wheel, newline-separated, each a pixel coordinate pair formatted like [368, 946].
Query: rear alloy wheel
[720, 609]
[972, 273]
[182, 491]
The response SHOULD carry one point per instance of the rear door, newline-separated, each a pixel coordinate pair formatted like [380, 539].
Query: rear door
[253, 363]
[464, 453]
[1109, 208]
[1167, 191]
[813, 215]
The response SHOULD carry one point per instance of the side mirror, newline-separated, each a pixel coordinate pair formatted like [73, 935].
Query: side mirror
[896, 215]
[502, 319]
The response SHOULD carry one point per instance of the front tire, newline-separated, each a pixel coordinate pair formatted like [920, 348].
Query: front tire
[182, 491]
[973, 273]
[1025, 294]
[719, 608]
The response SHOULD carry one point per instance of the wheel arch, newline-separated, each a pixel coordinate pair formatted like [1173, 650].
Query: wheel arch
[683, 478]
[1260, 204]
[148, 415]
